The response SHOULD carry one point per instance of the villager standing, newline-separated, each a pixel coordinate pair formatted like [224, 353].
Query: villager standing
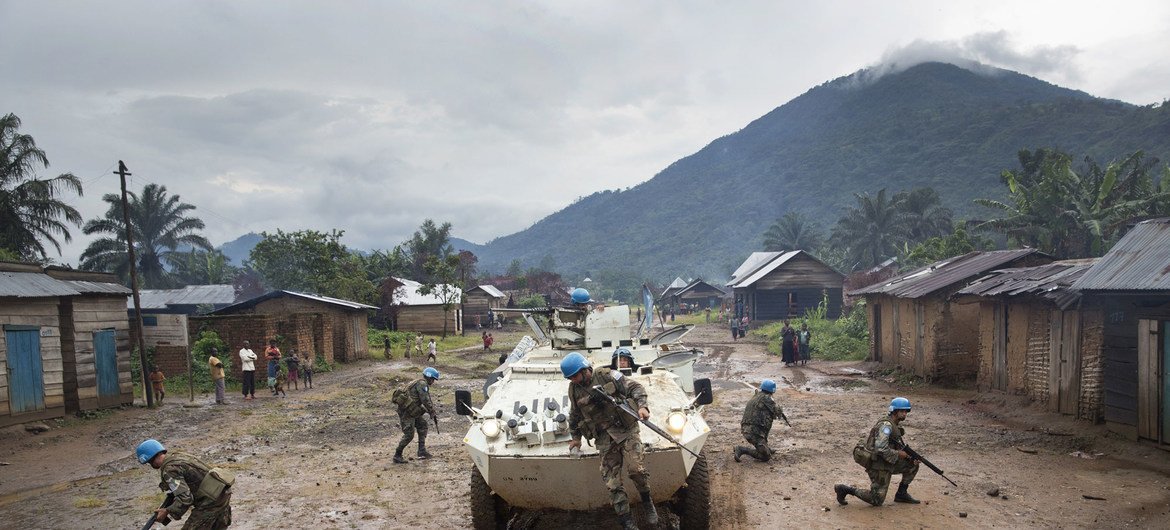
[307, 370]
[787, 347]
[293, 364]
[743, 324]
[432, 351]
[803, 339]
[881, 454]
[413, 401]
[418, 343]
[157, 377]
[734, 323]
[248, 370]
[217, 376]
[615, 432]
[757, 423]
[272, 355]
[196, 486]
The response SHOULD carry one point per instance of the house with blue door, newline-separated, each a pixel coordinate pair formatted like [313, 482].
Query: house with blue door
[59, 350]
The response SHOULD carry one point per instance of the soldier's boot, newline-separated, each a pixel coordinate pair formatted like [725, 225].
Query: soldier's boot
[904, 496]
[843, 491]
[423, 454]
[627, 521]
[740, 451]
[398, 458]
[648, 507]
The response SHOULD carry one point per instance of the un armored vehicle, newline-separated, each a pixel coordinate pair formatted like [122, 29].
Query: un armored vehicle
[519, 437]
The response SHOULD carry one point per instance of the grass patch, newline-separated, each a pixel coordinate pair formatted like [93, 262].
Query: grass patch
[844, 339]
[88, 502]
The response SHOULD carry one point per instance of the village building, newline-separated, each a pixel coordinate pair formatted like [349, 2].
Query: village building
[164, 319]
[478, 301]
[424, 313]
[698, 293]
[328, 328]
[784, 285]
[1036, 339]
[914, 324]
[65, 344]
[1130, 285]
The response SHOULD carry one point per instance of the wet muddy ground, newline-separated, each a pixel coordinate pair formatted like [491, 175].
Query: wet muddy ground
[321, 458]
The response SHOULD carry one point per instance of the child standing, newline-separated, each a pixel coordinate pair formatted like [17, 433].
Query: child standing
[431, 351]
[307, 370]
[292, 362]
[156, 383]
[278, 388]
[272, 355]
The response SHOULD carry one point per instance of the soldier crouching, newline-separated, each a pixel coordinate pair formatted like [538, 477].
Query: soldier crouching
[193, 485]
[881, 460]
[757, 423]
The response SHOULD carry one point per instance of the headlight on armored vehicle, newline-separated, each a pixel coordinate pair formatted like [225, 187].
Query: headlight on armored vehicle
[490, 428]
[676, 421]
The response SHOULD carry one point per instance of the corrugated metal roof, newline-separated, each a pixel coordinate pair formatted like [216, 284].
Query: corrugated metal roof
[695, 284]
[765, 269]
[1052, 282]
[277, 294]
[749, 265]
[1140, 261]
[411, 296]
[89, 287]
[492, 291]
[33, 285]
[214, 295]
[944, 273]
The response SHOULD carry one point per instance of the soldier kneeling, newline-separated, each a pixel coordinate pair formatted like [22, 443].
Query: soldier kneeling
[757, 423]
[877, 454]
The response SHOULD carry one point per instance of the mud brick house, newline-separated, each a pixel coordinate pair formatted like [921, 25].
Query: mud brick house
[1037, 339]
[1130, 285]
[64, 346]
[330, 328]
[913, 323]
[424, 312]
[478, 300]
[780, 285]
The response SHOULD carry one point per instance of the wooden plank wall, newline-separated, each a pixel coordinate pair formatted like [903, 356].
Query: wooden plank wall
[41, 312]
[427, 319]
[92, 313]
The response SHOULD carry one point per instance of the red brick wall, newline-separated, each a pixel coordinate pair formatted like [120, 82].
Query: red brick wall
[306, 332]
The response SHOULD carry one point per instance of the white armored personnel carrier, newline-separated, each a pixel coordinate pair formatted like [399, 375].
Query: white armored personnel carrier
[518, 440]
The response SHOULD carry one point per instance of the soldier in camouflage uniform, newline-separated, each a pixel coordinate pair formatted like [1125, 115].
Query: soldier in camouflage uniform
[207, 494]
[615, 431]
[881, 460]
[413, 401]
[757, 423]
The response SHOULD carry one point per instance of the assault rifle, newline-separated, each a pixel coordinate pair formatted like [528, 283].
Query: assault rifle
[914, 455]
[597, 391]
[170, 498]
[436, 418]
[782, 416]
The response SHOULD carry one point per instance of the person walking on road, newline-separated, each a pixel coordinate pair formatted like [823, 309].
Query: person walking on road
[757, 423]
[248, 370]
[432, 351]
[876, 452]
[614, 431]
[788, 344]
[413, 401]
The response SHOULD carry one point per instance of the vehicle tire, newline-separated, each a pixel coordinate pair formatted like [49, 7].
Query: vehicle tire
[695, 501]
[487, 509]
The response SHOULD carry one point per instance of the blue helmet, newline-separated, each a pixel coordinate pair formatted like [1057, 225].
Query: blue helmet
[148, 450]
[623, 352]
[430, 372]
[580, 296]
[899, 403]
[768, 386]
[573, 363]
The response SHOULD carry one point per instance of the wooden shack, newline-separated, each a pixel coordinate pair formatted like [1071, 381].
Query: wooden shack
[424, 312]
[330, 327]
[1130, 285]
[59, 349]
[913, 323]
[783, 285]
[700, 294]
[478, 301]
[1036, 339]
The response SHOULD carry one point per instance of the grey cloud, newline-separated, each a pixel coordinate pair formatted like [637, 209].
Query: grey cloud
[976, 51]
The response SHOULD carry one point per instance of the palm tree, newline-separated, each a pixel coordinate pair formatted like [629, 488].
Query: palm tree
[30, 208]
[925, 217]
[794, 231]
[872, 231]
[160, 225]
[201, 267]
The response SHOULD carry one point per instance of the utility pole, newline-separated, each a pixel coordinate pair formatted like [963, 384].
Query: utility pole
[146, 391]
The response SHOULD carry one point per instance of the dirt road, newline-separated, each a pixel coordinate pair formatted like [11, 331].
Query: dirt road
[321, 458]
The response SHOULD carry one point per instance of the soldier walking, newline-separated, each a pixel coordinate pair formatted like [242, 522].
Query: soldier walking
[615, 432]
[204, 490]
[757, 423]
[413, 401]
[878, 454]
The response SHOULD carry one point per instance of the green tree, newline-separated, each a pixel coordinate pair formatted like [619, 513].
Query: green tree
[871, 231]
[934, 249]
[201, 267]
[382, 264]
[160, 223]
[923, 214]
[429, 241]
[313, 262]
[793, 231]
[31, 209]
[444, 283]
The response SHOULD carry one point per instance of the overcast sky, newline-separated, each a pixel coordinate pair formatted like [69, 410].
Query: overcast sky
[372, 116]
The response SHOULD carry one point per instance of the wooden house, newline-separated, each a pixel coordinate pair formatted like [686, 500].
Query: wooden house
[783, 285]
[1036, 339]
[424, 312]
[64, 346]
[331, 328]
[700, 294]
[914, 324]
[1130, 285]
[478, 301]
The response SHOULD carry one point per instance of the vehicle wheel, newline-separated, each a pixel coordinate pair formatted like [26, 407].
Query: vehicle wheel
[487, 508]
[695, 501]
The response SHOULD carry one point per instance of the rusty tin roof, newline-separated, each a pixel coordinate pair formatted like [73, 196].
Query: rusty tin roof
[1140, 261]
[945, 273]
[1052, 282]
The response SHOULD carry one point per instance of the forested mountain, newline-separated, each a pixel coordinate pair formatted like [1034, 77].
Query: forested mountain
[933, 124]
